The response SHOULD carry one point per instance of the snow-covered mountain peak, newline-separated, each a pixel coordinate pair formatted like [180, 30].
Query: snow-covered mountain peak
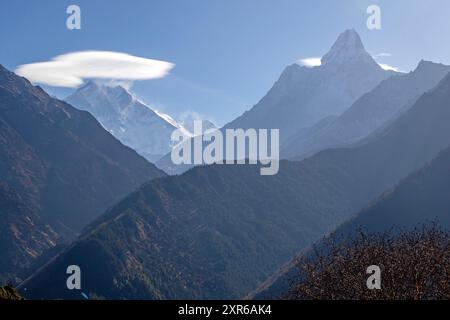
[347, 48]
[130, 120]
[303, 95]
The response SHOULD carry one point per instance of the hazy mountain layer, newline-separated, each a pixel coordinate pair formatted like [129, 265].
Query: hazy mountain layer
[372, 111]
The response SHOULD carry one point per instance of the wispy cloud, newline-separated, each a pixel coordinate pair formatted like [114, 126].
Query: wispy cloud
[126, 84]
[310, 62]
[316, 61]
[71, 69]
[191, 116]
[387, 67]
[382, 54]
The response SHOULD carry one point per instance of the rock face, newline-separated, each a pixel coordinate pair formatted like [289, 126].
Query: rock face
[128, 119]
[59, 170]
[188, 124]
[347, 49]
[303, 96]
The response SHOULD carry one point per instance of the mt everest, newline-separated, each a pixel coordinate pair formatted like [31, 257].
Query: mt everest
[127, 118]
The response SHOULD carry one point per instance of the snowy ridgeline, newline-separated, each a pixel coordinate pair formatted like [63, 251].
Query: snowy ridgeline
[131, 121]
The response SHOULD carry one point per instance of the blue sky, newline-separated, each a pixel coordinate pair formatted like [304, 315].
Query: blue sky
[227, 53]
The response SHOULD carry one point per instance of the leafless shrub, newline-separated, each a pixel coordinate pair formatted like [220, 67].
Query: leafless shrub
[414, 265]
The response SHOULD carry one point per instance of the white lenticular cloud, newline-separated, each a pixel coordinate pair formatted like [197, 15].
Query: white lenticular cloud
[71, 69]
[310, 62]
